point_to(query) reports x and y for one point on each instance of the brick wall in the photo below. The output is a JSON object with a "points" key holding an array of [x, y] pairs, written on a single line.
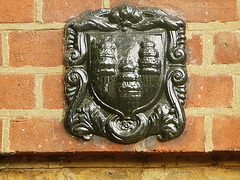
{"points": [[32, 101]]}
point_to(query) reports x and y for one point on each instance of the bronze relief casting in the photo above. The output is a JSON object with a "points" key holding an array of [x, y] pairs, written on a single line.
{"points": [[125, 75]]}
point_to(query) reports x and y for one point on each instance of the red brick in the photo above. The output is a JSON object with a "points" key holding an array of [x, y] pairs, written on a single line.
{"points": [[31, 135], [17, 91], [209, 91], [62, 10], [195, 49], [53, 91], [225, 133], [49, 135], [13, 11], [192, 10], [0, 49], [65, 142], [37, 48], [227, 47], [192, 139]]}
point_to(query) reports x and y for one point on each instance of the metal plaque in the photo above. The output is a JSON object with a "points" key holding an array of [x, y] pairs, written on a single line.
{"points": [[126, 75]]}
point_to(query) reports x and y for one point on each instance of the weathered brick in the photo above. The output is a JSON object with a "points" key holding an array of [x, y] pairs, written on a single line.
{"points": [[225, 133], [53, 91], [16, 11], [36, 48], [209, 91], [53, 137], [192, 139], [62, 173], [197, 172], [17, 91], [65, 142], [227, 47], [106, 173], [49, 135], [192, 10], [62, 10], [31, 135], [108, 170], [194, 49]]}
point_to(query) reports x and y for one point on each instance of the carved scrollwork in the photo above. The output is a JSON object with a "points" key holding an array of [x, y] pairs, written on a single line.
{"points": [[178, 79], [177, 51], [72, 56], [75, 55], [88, 121], [125, 76], [75, 81], [174, 119], [75, 87], [127, 130]]}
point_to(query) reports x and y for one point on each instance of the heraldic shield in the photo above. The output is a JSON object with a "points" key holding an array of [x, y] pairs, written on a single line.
{"points": [[125, 76]]}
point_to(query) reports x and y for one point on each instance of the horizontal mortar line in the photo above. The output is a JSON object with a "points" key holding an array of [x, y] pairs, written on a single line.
{"points": [[31, 26], [197, 69], [32, 70], [102, 164], [109, 167], [217, 25], [59, 112], [45, 113], [118, 165], [212, 111], [214, 69]]}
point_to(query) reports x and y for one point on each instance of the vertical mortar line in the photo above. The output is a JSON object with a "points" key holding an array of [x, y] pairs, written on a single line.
{"points": [[39, 90], [238, 5], [188, 34], [137, 173], [5, 135], [208, 133], [106, 3], [236, 90], [2, 45], [5, 49], [38, 10], [208, 48]]}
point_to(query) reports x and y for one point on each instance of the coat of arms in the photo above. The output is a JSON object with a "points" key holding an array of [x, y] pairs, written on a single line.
{"points": [[126, 74]]}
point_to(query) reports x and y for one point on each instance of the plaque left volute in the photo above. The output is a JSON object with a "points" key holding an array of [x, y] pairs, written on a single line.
{"points": [[126, 75]]}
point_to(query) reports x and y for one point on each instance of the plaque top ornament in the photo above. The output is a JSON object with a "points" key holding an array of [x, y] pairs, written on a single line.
{"points": [[126, 75]]}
